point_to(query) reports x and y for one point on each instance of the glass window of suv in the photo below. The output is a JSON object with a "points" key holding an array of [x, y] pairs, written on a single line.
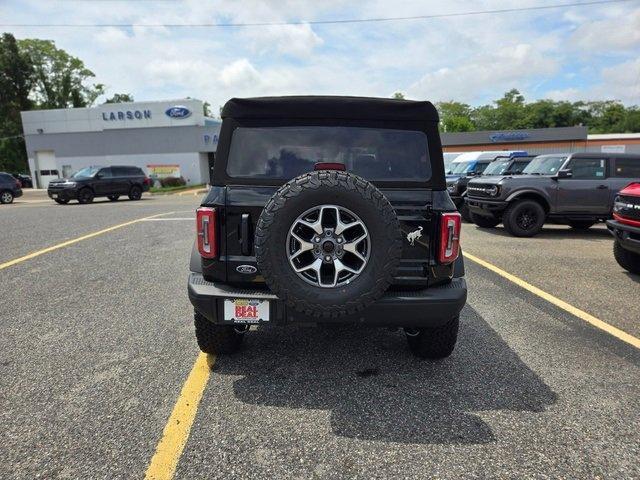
{"points": [[497, 167], [544, 166], [627, 167], [518, 166], [587, 168], [105, 173], [86, 172], [286, 152]]}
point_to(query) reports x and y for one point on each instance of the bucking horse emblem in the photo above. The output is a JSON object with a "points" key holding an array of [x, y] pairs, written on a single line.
{"points": [[415, 235]]}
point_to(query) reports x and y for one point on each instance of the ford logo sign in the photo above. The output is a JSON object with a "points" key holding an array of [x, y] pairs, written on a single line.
{"points": [[177, 112], [246, 269]]}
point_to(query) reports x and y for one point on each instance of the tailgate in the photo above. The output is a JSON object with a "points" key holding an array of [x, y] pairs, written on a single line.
{"points": [[244, 205]]}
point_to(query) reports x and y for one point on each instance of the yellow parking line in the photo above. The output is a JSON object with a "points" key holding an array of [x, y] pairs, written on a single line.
{"points": [[581, 314], [176, 431], [75, 240]]}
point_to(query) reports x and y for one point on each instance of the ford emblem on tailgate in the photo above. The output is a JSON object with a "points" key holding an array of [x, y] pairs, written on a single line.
{"points": [[177, 112], [248, 269]]}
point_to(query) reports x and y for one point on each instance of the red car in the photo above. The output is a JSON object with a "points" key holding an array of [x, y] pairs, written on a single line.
{"points": [[625, 227]]}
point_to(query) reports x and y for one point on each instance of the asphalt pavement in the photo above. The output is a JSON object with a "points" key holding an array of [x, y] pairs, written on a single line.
{"points": [[96, 341]]}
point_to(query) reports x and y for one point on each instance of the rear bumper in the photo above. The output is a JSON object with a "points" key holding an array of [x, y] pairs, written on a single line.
{"points": [[430, 307], [487, 208], [627, 236]]}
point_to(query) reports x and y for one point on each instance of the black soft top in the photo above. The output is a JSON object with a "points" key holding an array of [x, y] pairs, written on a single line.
{"points": [[353, 108]]}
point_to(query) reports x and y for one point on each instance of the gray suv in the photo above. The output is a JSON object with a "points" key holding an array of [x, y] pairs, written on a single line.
{"points": [[577, 189]]}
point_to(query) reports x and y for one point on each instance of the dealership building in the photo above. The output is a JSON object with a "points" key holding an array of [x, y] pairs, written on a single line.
{"points": [[539, 141], [164, 138]]}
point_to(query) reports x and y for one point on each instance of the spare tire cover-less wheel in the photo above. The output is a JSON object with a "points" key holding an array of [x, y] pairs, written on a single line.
{"points": [[328, 243]]}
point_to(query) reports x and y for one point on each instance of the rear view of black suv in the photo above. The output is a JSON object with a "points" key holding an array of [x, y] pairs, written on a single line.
{"points": [[10, 188], [328, 210], [92, 182]]}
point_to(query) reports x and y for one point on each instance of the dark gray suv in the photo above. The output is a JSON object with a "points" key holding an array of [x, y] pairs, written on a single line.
{"points": [[577, 189], [10, 188]]}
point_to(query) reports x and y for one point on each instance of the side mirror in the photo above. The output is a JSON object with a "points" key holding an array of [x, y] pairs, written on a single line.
{"points": [[566, 173]]}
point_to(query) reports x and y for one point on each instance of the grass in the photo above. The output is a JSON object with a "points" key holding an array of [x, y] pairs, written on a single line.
{"points": [[174, 189]]}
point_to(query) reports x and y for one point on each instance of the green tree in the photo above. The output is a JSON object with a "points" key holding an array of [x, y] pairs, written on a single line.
{"points": [[455, 116], [398, 96], [206, 109], [120, 98], [60, 80], [15, 84]]}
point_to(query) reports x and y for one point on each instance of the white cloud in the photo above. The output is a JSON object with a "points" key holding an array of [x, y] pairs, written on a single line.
{"points": [[609, 35], [240, 74], [486, 74]]}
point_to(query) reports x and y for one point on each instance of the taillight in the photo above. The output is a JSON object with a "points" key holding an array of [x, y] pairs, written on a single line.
{"points": [[206, 226], [146, 181], [329, 166], [450, 225], [18, 183]]}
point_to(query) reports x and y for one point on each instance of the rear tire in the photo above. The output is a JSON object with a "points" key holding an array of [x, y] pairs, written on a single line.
{"points": [[524, 218], [85, 196], [434, 343], [6, 197], [61, 201], [630, 261], [484, 222], [216, 339], [113, 198], [135, 193], [581, 224]]}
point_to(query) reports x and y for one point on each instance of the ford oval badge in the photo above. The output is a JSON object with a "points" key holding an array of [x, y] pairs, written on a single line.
{"points": [[246, 269], [177, 112]]}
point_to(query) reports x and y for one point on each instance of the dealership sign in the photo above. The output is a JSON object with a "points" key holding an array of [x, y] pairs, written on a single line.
{"points": [[508, 136], [178, 112], [126, 115]]}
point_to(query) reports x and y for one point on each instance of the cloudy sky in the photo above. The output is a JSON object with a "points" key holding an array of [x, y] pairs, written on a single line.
{"points": [[571, 53]]}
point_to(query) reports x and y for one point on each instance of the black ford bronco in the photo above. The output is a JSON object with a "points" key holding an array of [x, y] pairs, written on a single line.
{"points": [[328, 210], [577, 189]]}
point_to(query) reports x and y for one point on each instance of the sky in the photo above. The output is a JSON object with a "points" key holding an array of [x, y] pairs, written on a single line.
{"points": [[576, 53]]}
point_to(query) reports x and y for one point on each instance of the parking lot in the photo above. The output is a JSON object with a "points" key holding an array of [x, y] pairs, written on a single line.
{"points": [[96, 344]]}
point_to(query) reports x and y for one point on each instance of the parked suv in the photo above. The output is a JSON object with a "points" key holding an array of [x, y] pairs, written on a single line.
{"points": [[625, 228], [10, 188], [91, 182], [577, 189], [467, 166], [328, 210]]}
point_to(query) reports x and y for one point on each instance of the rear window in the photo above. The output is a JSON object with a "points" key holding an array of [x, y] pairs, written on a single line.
{"points": [[627, 167], [286, 152]]}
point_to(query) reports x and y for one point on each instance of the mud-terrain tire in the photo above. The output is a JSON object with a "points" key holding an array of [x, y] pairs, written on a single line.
{"points": [[524, 218], [85, 196], [434, 343], [630, 261], [216, 339], [135, 193], [484, 222], [465, 213], [334, 188]]}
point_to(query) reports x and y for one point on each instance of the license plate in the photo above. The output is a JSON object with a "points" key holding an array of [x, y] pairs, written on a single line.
{"points": [[54, 195], [246, 310]]}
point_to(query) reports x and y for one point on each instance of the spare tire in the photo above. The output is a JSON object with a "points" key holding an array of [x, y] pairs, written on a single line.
{"points": [[328, 243]]}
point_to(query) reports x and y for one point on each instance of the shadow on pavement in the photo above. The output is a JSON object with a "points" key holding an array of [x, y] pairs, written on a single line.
{"points": [[594, 233], [375, 389]]}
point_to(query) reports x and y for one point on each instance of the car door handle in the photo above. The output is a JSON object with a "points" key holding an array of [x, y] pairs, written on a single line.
{"points": [[601, 187]]}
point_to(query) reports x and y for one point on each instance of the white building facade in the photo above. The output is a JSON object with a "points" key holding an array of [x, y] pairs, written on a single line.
{"points": [[164, 138]]}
